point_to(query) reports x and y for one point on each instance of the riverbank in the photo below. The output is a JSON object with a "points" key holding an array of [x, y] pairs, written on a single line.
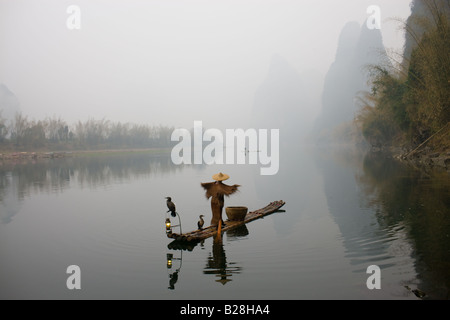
{"points": [[25, 155], [434, 152], [427, 158]]}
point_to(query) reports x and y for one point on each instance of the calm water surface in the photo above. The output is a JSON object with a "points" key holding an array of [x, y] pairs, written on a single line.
{"points": [[344, 212]]}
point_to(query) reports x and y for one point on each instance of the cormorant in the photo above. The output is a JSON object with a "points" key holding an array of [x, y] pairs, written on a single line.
{"points": [[200, 222], [171, 207]]}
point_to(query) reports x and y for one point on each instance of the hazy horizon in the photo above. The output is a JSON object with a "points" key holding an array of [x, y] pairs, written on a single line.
{"points": [[168, 62]]}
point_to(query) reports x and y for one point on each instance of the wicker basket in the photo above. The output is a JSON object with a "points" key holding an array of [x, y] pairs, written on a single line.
{"points": [[236, 213]]}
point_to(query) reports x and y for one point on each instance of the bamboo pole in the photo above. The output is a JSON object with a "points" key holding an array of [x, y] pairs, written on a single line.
{"points": [[219, 231]]}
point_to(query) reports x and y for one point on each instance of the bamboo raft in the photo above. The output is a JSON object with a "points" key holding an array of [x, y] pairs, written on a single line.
{"points": [[199, 235]]}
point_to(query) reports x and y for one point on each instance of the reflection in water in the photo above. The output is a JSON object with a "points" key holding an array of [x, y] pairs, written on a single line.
{"points": [[9, 200], [176, 263], [420, 203], [354, 210], [392, 216], [18, 180], [362, 238], [237, 233], [182, 245], [216, 263], [218, 266]]}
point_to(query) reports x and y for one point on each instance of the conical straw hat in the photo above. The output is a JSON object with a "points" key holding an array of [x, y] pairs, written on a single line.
{"points": [[220, 177]]}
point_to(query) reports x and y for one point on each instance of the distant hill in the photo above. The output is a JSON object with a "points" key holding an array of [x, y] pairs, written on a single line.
{"points": [[358, 47], [338, 91], [287, 100], [9, 104]]}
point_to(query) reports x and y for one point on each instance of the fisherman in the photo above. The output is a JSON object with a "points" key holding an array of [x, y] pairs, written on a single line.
{"points": [[216, 191]]}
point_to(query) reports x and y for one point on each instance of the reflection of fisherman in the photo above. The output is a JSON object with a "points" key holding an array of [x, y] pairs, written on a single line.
{"points": [[216, 191], [218, 266]]}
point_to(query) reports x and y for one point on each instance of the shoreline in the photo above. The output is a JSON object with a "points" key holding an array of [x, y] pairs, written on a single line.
{"points": [[11, 156], [432, 153], [427, 158]]}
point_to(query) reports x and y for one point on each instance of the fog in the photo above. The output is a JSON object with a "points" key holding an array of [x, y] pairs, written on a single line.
{"points": [[171, 62]]}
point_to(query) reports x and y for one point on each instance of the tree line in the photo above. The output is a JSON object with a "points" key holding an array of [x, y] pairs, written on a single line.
{"points": [[21, 133], [409, 102]]}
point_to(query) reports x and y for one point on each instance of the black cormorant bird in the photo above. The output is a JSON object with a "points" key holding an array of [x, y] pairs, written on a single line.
{"points": [[200, 222], [171, 207]]}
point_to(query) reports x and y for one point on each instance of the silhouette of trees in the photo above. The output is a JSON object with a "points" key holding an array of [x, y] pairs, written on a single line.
{"points": [[56, 133]]}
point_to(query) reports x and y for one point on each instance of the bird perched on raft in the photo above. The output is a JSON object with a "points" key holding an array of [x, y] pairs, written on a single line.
{"points": [[171, 207], [200, 222]]}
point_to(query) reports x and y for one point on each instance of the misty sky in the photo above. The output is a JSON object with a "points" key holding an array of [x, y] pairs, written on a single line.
{"points": [[167, 62]]}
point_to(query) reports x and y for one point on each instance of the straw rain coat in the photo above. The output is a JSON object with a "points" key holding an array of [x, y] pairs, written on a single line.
{"points": [[217, 191]]}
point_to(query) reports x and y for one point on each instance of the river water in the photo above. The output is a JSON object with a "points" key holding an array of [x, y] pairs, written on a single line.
{"points": [[344, 212]]}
